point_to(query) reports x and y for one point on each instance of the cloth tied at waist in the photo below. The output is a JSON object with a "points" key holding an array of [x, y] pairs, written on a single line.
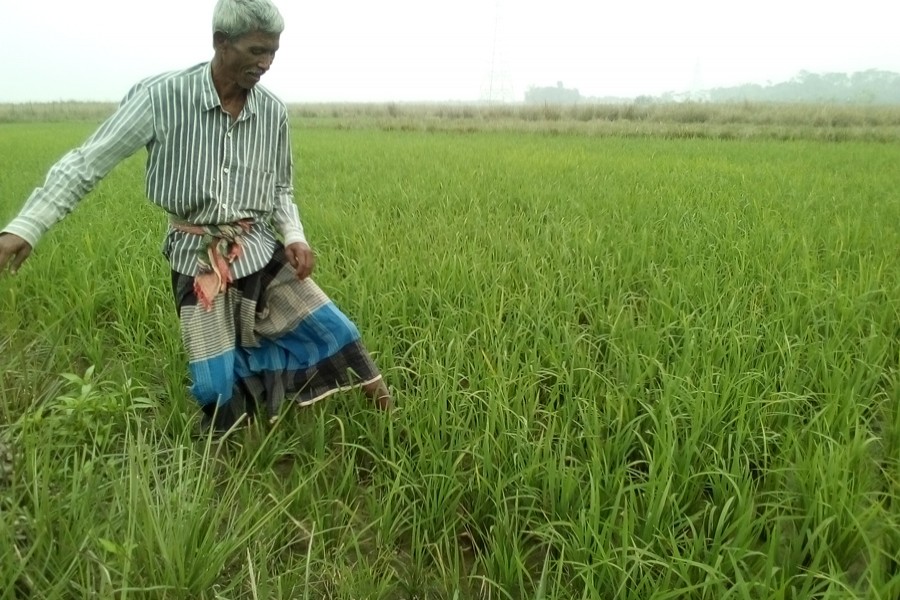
{"points": [[221, 245]]}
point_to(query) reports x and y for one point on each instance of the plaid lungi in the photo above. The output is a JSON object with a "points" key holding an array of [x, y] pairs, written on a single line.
{"points": [[269, 337]]}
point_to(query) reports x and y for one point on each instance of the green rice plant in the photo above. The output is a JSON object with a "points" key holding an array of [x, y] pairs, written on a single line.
{"points": [[633, 367]]}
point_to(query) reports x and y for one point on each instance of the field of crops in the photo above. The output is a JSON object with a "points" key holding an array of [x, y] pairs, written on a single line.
{"points": [[625, 367]]}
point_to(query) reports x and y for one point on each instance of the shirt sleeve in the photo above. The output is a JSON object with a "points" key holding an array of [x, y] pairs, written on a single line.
{"points": [[286, 215], [128, 129]]}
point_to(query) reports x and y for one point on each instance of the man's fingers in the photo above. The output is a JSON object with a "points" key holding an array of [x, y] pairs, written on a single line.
{"points": [[19, 258], [305, 264], [8, 257], [13, 252], [310, 263]]}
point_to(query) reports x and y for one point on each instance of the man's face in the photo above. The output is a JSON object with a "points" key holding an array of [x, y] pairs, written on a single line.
{"points": [[245, 59]]}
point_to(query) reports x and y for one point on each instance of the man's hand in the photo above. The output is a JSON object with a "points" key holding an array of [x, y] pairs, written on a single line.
{"points": [[13, 250], [301, 257]]}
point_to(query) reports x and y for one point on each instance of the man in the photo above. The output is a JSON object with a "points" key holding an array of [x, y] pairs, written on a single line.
{"points": [[255, 327]]}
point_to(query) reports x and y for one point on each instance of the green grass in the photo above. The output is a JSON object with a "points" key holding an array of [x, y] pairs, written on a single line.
{"points": [[634, 368]]}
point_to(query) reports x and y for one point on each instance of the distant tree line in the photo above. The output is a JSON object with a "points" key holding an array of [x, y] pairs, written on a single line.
{"points": [[865, 87]]}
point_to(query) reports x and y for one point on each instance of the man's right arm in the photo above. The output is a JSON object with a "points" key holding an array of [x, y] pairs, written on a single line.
{"points": [[76, 174]]}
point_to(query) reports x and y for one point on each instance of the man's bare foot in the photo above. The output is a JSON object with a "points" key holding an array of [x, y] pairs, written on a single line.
{"points": [[379, 393]]}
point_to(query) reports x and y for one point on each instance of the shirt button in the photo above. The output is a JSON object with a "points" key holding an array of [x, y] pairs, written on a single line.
{"points": [[225, 170], [229, 134]]}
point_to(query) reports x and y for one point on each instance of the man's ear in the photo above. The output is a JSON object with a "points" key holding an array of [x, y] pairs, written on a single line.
{"points": [[219, 39]]}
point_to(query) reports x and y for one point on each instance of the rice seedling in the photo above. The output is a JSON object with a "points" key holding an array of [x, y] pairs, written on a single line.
{"points": [[628, 367]]}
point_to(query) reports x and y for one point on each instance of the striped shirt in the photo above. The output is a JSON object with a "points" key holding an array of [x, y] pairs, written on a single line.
{"points": [[203, 167]]}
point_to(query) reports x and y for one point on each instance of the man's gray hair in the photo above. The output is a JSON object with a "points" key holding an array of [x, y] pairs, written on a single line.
{"points": [[236, 18]]}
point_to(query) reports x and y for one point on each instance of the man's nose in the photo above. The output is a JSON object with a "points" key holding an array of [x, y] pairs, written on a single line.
{"points": [[266, 61]]}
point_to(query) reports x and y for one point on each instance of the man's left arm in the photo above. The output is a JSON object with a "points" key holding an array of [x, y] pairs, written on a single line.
{"points": [[286, 215]]}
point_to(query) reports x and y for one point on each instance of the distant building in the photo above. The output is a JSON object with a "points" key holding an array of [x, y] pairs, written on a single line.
{"points": [[552, 95]]}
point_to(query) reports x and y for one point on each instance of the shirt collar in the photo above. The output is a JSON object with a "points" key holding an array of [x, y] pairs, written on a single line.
{"points": [[250, 106], [209, 98]]}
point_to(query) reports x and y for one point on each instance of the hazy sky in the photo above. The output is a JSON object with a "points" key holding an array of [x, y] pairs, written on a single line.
{"points": [[442, 50]]}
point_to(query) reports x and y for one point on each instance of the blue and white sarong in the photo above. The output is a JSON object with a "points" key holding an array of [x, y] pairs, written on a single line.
{"points": [[268, 337]]}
